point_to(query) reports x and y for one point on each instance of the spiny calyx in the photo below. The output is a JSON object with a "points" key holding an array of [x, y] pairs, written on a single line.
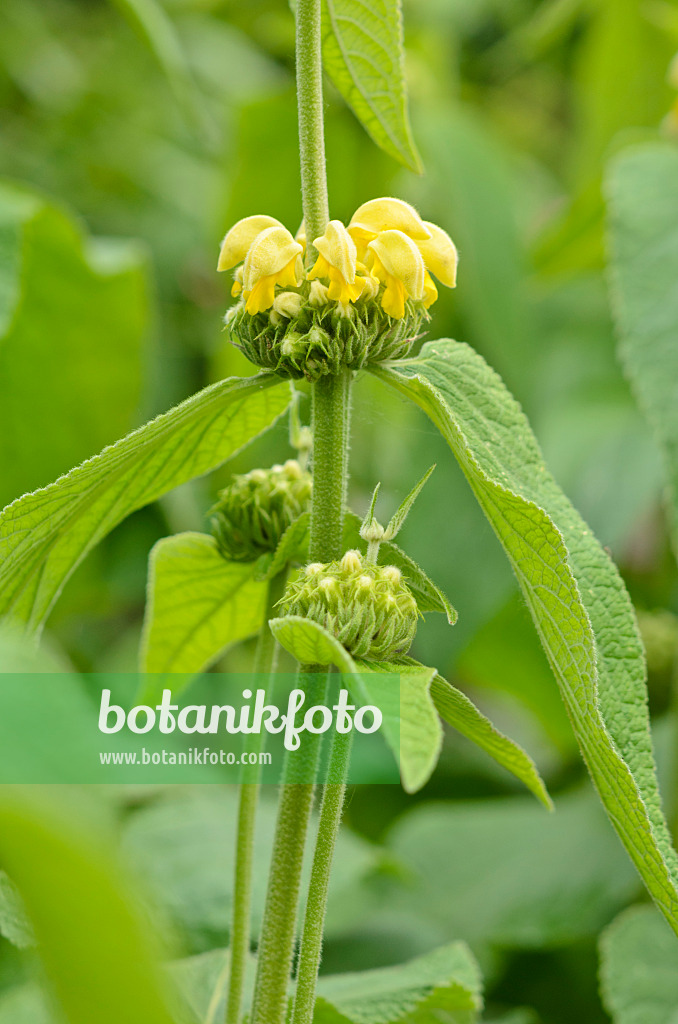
{"points": [[255, 510], [368, 608]]}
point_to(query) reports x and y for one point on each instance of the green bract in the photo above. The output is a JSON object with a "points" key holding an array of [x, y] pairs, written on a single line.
{"points": [[367, 607], [254, 511], [320, 340]]}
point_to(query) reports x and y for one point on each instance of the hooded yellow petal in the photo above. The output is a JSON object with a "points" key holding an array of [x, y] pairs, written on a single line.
{"points": [[271, 252], [440, 255], [339, 250], [241, 236], [400, 258], [430, 291], [389, 214]]}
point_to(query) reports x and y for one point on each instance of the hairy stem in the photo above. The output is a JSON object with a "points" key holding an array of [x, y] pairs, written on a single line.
{"points": [[311, 127], [264, 664], [316, 905], [278, 931], [331, 423]]}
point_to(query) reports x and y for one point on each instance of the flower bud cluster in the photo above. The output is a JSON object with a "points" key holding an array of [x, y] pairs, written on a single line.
{"points": [[368, 608], [363, 300], [254, 511]]}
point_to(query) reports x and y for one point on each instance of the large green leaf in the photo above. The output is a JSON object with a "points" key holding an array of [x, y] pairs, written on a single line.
{"points": [[441, 985], [73, 316], [639, 969], [503, 873], [198, 604], [46, 534], [100, 961], [643, 220], [363, 55], [575, 595]]}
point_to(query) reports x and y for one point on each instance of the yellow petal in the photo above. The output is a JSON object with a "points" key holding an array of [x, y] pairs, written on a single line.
{"points": [[360, 240], [344, 291], [440, 255], [320, 268], [389, 214], [241, 236], [393, 299], [338, 248], [271, 252], [430, 291], [300, 236], [261, 296], [400, 258]]}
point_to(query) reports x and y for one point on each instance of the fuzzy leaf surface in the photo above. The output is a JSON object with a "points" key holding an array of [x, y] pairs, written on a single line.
{"points": [[199, 604], [639, 969], [576, 597], [643, 225], [46, 534], [455, 708], [441, 985], [363, 55]]}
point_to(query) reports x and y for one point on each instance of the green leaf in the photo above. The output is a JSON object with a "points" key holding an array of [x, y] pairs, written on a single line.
{"points": [[575, 595], [198, 604], [502, 873], [363, 55], [410, 722], [45, 535], [14, 924], [429, 597], [24, 1005], [639, 969], [643, 224], [441, 985], [96, 954], [69, 305], [459, 712]]}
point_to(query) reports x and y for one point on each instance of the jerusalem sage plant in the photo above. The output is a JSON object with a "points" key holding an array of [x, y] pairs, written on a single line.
{"points": [[320, 306]]}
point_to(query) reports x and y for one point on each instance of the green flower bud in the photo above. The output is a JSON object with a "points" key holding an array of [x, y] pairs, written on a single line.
{"points": [[367, 607], [253, 513]]}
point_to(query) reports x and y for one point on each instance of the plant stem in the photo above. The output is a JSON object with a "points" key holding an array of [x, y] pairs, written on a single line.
{"points": [[316, 905], [331, 422], [264, 663], [311, 127], [278, 930]]}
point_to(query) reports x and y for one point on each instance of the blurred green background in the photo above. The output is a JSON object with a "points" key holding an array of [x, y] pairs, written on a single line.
{"points": [[124, 161]]}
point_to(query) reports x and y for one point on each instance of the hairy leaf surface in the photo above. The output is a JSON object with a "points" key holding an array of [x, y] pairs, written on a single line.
{"points": [[363, 55], [46, 534], [575, 595], [639, 969], [441, 985], [198, 604], [643, 222]]}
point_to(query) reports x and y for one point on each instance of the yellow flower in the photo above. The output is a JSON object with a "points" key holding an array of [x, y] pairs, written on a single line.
{"points": [[398, 264], [238, 241], [440, 255], [386, 214], [337, 263], [272, 258]]}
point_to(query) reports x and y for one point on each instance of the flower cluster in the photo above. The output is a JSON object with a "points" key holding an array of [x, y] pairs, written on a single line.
{"points": [[367, 607], [253, 512], [363, 299]]}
